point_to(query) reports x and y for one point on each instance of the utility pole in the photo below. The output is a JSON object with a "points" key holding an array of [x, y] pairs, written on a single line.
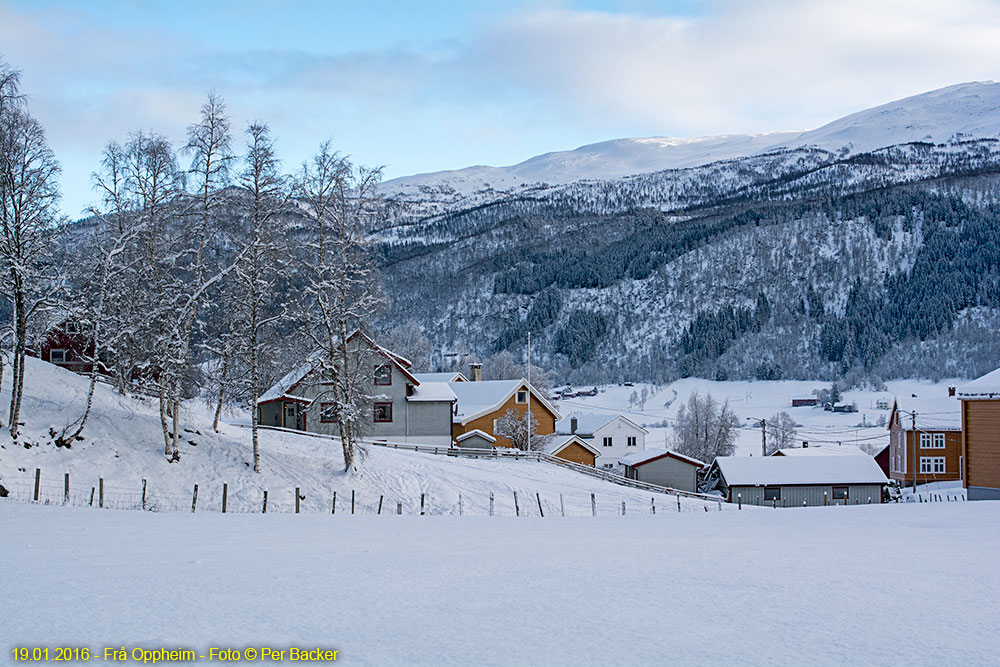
{"points": [[529, 393], [913, 434], [763, 437]]}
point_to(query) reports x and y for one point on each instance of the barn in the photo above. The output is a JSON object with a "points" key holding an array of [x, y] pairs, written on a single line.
{"points": [[789, 481], [663, 467]]}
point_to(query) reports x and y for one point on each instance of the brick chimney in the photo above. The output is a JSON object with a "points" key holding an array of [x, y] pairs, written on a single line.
{"points": [[476, 372], [572, 424]]}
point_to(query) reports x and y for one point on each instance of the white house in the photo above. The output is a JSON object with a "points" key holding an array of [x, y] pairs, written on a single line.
{"points": [[614, 436]]}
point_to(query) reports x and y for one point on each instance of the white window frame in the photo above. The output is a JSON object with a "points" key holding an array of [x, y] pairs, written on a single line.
{"points": [[631, 441], [608, 441], [60, 351], [521, 397], [932, 465], [925, 441], [939, 441]]}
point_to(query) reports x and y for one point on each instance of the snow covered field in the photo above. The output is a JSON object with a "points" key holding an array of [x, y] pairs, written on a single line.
{"points": [[817, 586]]}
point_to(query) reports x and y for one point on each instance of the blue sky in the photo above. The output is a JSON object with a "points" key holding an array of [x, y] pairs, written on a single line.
{"points": [[425, 86]]}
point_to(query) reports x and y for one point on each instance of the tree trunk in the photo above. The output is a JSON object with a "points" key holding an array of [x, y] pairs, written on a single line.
{"points": [[167, 450], [222, 394]]}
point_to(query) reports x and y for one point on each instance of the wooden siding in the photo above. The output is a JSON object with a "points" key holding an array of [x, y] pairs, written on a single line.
{"points": [[577, 454], [952, 454], [981, 434], [546, 420], [812, 495], [668, 471]]}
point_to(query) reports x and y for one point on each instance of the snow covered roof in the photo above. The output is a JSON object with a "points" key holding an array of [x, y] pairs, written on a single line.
{"points": [[476, 399], [793, 470], [588, 424], [281, 387], [476, 432], [454, 376], [557, 443], [938, 413], [431, 391], [822, 450], [988, 386], [639, 458]]}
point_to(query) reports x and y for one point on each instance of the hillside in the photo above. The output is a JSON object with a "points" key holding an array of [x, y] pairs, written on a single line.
{"points": [[123, 444]]}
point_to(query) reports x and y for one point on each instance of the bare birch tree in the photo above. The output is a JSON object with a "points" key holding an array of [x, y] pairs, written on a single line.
{"points": [[705, 429], [29, 196], [341, 289]]}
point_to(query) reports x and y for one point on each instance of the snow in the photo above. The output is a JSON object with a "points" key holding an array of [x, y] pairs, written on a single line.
{"points": [[832, 450], [475, 398], [556, 443], [638, 458], [476, 432], [759, 470], [451, 591], [281, 387], [585, 424], [432, 391], [988, 386], [939, 413], [438, 377]]}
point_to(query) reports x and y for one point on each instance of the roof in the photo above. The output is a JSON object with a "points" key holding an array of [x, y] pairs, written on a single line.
{"points": [[938, 413], [431, 391], [557, 443], [588, 424], [282, 386], [476, 399], [822, 450], [636, 459], [794, 470], [476, 432], [454, 376], [988, 386]]}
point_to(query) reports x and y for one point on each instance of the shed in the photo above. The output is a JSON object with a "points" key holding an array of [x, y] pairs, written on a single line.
{"points": [[794, 481], [663, 467], [476, 439], [572, 448]]}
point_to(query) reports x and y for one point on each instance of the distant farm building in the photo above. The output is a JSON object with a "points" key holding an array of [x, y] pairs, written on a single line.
{"points": [[804, 402], [925, 437], [663, 467]]}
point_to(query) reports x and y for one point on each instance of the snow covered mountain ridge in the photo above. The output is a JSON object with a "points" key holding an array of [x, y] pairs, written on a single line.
{"points": [[961, 111]]}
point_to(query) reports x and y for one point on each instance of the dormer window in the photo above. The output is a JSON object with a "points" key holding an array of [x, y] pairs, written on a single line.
{"points": [[383, 375], [522, 396]]}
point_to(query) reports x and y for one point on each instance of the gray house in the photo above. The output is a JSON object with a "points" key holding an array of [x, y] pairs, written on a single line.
{"points": [[793, 481], [664, 468], [402, 408]]}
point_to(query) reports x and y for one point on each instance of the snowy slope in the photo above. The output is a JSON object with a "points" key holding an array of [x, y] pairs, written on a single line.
{"points": [[805, 586], [123, 445], [962, 111]]}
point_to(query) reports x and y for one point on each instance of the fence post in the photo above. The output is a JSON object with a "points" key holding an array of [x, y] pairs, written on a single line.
{"points": [[100, 492], [720, 504], [541, 513], [225, 496], [143, 491], [66, 490], [91, 496], [739, 501], [194, 499], [678, 503], [774, 504], [399, 507], [652, 505], [296, 500], [38, 479], [593, 504], [562, 507], [334, 509], [263, 509], [491, 503], [421, 504], [824, 499], [352, 501], [380, 504], [623, 508], [517, 508], [460, 504]]}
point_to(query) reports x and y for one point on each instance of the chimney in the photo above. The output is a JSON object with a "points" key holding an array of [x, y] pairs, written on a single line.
{"points": [[476, 371], [572, 425], [951, 391], [805, 443]]}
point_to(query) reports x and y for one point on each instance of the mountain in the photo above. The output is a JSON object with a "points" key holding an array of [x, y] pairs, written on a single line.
{"points": [[960, 111], [869, 247]]}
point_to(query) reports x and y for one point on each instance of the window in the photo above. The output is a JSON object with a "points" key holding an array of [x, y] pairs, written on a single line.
{"points": [[608, 442], [840, 493], [630, 441], [931, 464], [383, 412], [939, 441], [925, 441], [772, 493], [383, 375], [57, 356], [328, 413], [522, 396], [290, 411]]}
